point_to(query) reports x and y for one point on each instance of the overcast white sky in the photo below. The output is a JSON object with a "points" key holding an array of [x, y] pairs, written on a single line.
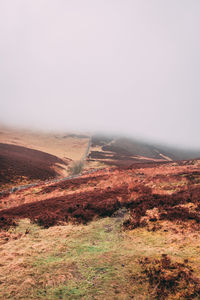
{"points": [[126, 66]]}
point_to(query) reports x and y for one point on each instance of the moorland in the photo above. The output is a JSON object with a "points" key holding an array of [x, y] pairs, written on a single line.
{"points": [[126, 227]]}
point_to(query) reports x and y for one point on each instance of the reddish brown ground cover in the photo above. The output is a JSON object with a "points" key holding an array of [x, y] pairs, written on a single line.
{"points": [[18, 162], [79, 208], [168, 207], [153, 193], [170, 278], [73, 183], [128, 147], [121, 152]]}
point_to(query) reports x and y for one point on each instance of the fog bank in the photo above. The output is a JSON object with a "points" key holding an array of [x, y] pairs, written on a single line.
{"points": [[129, 67]]}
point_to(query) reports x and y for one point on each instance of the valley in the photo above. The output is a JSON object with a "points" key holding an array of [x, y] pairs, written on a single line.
{"points": [[126, 227]]}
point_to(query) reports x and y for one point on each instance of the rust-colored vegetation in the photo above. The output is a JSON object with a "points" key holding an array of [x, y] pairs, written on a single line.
{"points": [[6, 222], [156, 203], [142, 206], [166, 207], [79, 208], [18, 163], [167, 278], [122, 152], [153, 194]]}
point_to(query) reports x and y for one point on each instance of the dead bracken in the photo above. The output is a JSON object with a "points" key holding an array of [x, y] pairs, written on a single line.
{"points": [[100, 194], [167, 278], [25, 162]]}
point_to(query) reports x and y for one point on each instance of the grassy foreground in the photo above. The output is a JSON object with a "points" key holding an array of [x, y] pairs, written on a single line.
{"points": [[95, 261]]}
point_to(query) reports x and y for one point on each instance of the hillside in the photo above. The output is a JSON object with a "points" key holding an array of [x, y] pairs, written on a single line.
{"points": [[127, 227], [35, 156], [27, 157], [120, 151], [65, 145], [21, 165], [116, 233]]}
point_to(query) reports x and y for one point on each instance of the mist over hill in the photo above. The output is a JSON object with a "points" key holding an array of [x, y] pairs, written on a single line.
{"points": [[129, 68], [129, 146], [99, 149]]}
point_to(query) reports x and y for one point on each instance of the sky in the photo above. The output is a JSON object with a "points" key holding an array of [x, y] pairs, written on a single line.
{"points": [[117, 66]]}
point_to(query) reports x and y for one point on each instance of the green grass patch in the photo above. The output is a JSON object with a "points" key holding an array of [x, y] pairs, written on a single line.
{"points": [[97, 261]]}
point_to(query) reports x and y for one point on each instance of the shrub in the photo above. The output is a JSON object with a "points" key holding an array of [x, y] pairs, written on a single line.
{"points": [[167, 278], [76, 167], [6, 222]]}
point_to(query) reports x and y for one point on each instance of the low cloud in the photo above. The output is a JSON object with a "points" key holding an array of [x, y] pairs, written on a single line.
{"points": [[128, 67]]}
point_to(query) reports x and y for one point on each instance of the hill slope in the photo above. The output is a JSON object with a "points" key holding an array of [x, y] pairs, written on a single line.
{"points": [[125, 151], [118, 233], [27, 156], [20, 164]]}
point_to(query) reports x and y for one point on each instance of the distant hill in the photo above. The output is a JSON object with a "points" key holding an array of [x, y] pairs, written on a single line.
{"points": [[27, 156], [21, 164], [123, 151]]}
